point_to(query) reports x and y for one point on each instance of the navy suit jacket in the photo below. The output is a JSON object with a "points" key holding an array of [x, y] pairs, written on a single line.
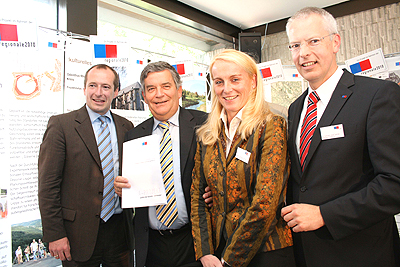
{"points": [[355, 179], [189, 120]]}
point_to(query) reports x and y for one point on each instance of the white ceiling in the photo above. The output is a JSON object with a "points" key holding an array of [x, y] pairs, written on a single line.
{"points": [[251, 13]]}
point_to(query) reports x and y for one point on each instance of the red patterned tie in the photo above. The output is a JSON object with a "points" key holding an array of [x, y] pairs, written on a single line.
{"points": [[308, 127]]}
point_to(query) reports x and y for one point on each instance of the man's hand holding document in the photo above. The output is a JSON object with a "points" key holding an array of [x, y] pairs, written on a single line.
{"points": [[141, 167]]}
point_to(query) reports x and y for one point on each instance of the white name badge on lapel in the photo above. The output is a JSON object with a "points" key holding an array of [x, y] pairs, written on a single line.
{"points": [[243, 155], [332, 132]]}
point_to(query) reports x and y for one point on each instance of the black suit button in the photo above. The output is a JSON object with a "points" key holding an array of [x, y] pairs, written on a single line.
{"points": [[100, 192], [146, 229], [303, 189], [97, 216]]}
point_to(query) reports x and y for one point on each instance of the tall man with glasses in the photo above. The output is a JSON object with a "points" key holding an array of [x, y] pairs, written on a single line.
{"points": [[343, 143], [79, 157]]}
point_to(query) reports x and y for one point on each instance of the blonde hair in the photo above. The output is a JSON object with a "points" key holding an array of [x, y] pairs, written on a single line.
{"points": [[255, 112]]}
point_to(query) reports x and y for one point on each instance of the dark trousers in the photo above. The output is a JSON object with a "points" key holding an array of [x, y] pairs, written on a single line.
{"points": [[173, 248], [298, 250], [111, 249], [283, 257]]}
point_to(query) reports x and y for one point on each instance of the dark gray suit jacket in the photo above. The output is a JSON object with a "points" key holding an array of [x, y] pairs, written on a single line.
{"points": [[355, 179], [189, 120], [71, 181]]}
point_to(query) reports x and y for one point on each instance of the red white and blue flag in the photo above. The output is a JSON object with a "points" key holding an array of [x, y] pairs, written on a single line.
{"points": [[53, 45], [105, 51], [368, 64], [114, 52], [180, 68], [8, 32], [18, 33], [266, 72], [185, 68], [360, 66], [271, 71]]}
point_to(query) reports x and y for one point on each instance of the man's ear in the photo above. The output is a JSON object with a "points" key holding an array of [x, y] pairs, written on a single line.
{"points": [[336, 43]]}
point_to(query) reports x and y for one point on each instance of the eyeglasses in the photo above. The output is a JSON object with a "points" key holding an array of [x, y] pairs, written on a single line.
{"points": [[295, 47]]}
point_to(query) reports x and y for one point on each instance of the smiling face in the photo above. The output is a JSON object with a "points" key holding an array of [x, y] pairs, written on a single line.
{"points": [[99, 90], [161, 94], [232, 85], [316, 64]]}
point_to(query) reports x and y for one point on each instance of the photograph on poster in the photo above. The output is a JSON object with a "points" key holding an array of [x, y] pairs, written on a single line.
{"points": [[3, 204], [393, 64], [129, 98], [194, 94], [27, 85], [27, 240]]}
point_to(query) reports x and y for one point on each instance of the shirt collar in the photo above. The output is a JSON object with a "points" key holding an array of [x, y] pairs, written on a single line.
{"points": [[234, 123], [174, 120], [224, 117], [94, 116], [326, 89]]}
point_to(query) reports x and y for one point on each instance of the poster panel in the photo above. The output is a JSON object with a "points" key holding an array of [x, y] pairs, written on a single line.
{"points": [[32, 90]]}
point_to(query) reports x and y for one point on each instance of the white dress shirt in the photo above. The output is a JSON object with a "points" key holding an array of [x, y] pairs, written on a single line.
{"points": [[324, 92], [231, 131]]}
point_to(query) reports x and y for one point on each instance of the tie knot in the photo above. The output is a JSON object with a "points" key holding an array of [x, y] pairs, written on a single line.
{"points": [[164, 124], [313, 97], [103, 119]]}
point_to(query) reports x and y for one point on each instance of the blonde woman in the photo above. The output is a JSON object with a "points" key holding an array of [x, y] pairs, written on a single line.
{"points": [[241, 156]]}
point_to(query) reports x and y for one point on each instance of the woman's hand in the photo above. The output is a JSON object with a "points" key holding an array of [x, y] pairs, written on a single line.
{"points": [[208, 197], [210, 261]]}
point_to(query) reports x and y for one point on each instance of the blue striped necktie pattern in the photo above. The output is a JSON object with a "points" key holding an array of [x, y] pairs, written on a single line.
{"points": [[168, 213], [107, 164]]}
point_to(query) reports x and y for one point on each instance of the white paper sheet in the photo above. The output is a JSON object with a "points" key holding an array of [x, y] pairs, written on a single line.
{"points": [[141, 165]]}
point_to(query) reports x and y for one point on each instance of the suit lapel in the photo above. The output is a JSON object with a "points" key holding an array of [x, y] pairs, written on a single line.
{"points": [[85, 131], [339, 97], [147, 127], [186, 128], [294, 122]]}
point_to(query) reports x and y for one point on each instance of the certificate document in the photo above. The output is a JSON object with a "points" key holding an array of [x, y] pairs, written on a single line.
{"points": [[141, 166]]}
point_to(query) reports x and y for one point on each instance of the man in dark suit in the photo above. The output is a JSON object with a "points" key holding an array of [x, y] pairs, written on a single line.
{"points": [[156, 243], [72, 185], [344, 191]]}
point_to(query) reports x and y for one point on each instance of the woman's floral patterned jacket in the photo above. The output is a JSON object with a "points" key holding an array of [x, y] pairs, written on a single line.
{"points": [[247, 197]]}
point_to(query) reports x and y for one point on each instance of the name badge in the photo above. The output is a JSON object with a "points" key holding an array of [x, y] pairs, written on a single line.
{"points": [[243, 155], [332, 132]]}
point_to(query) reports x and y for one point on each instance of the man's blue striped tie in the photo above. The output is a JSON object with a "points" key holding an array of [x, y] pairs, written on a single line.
{"points": [[107, 163]]}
